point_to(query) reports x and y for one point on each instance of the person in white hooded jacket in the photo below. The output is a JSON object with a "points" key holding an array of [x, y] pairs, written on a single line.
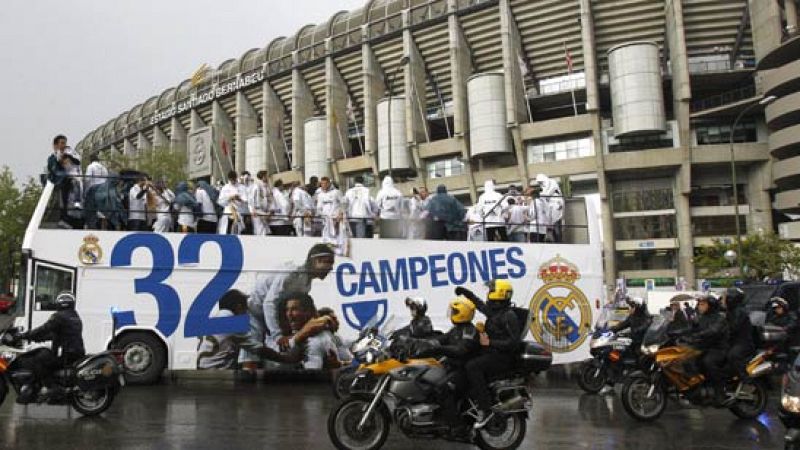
{"points": [[554, 200], [390, 204], [359, 207], [492, 210]]}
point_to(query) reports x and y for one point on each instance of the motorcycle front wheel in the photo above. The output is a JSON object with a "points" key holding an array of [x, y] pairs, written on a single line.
{"points": [[752, 400], [94, 402], [592, 378], [643, 400], [505, 432], [343, 425]]}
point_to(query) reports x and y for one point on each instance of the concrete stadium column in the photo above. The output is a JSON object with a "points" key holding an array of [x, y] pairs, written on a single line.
{"points": [[681, 97], [273, 115], [143, 145], [302, 109], [160, 139], [460, 70], [246, 125], [128, 149], [765, 23], [516, 96], [415, 89], [759, 183], [374, 88], [790, 9], [177, 139], [222, 149], [593, 109], [336, 112], [195, 121]]}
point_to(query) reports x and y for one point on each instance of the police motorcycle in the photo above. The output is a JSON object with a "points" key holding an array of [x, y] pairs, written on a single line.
{"points": [[408, 393], [669, 370], [789, 411], [89, 385], [612, 356]]}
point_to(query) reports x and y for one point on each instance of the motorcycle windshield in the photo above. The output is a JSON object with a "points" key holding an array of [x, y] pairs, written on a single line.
{"points": [[657, 332]]}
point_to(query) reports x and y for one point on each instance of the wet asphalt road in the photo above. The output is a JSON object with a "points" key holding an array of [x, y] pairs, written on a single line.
{"points": [[219, 414]]}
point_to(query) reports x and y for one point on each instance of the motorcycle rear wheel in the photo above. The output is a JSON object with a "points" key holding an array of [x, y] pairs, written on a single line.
{"points": [[94, 402], [502, 433], [637, 404], [591, 378], [750, 409], [343, 425]]}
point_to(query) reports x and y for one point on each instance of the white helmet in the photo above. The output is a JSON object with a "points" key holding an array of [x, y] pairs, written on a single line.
{"points": [[635, 302], [65, 300], [417, 304]]}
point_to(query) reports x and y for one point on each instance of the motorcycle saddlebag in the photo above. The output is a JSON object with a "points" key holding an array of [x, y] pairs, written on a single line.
{"points": [[98, 371], [534, 358]]}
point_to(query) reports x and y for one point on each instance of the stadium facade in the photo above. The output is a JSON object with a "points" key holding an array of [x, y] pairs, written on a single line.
{"points": [[633, 100]]}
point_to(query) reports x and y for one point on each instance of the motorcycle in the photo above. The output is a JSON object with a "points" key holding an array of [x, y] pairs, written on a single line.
{"points": [[412, 394], [789, 411], [670, 372], [612, 358], [89, 385], [365, 351]]}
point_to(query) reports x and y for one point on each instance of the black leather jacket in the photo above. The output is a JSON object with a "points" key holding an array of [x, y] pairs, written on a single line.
{"points": [[65, 329], [787, 321], [420, 327], [741, 330], [459, 343], [502, 325], [711, 331], [638, 322]]}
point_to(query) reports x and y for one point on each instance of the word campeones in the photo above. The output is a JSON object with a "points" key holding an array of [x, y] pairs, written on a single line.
{"points": [[197, 99], [438, 269]]}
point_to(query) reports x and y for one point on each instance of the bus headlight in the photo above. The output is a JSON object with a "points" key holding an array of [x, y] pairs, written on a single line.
{"points": [[649, 349]]}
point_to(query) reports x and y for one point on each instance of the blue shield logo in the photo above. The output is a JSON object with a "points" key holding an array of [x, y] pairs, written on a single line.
{"points": [[360, 314]]}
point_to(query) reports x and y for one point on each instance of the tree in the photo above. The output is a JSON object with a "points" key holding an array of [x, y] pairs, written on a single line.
{"points": [[160, 163], [17, 204], [764, 255]]}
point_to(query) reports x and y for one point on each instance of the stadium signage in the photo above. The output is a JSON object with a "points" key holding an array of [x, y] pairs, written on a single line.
{"points": [[208, 95]]}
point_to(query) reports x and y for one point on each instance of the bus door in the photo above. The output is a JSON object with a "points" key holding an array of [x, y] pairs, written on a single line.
{"points": [[49, 280]]}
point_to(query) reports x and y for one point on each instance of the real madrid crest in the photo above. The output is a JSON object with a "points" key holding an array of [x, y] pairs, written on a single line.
{"points": [[90, 252], [562, 314]]}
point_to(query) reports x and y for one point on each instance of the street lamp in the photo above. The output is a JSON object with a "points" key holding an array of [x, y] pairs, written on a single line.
{"points": [[765, 101], [392, 76]]}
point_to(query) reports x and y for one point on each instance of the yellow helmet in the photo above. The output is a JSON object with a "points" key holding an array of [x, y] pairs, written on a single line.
{"points": [[500, 290], [461, 310]]}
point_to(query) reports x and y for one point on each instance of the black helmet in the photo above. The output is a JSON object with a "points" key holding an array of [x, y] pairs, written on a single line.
{"points": [[65, 300], [775, 302], [712, 300], [734, 297]]}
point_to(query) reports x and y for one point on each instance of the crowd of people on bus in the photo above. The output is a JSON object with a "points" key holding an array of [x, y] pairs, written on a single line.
{"points": [[247, 205]]}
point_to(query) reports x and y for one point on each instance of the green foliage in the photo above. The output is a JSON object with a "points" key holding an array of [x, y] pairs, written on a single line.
{"points": [[764, 255], [17, 204], [160, 163]]}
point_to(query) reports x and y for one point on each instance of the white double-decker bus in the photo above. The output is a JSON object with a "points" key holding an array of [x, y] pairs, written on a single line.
{"points": [[167, 287]]}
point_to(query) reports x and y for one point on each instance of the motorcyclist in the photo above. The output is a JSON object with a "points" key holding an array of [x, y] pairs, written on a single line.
{"points": [[421, 326], [710, 334], [64, 328], [780, 315], [741, 331], [499, 344], [637, 321]]}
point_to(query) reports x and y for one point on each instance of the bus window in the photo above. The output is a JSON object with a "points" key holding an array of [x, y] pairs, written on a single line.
{"points": [[50, 281]]}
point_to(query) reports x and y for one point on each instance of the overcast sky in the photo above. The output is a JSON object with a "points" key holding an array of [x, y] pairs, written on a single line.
{"points": [[70, 66]]}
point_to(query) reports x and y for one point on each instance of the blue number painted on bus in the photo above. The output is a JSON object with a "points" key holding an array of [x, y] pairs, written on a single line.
{"points": [[167, 300], [198, 320]]}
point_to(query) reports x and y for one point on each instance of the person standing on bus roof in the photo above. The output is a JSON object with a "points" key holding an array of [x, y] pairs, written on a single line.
{"points": [[247, 212], [492, 211], [233, 198], [261, 204], [207, 197], [300, 209], [329, 208], [96, 173], [279, 223], [164, 198], [391, 207], [186, 205], [269, 287], [137, 204], [360, 208]]}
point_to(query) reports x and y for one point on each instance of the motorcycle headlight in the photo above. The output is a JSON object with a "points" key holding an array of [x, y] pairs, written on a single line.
{"points": [[649, 349], [790, 403], [369, 357]]}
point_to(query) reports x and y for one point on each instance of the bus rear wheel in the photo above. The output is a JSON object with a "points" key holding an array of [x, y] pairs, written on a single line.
{"points": [[144, 358]]}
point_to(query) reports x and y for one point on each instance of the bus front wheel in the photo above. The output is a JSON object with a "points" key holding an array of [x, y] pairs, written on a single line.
{"points": [[144, 357]]}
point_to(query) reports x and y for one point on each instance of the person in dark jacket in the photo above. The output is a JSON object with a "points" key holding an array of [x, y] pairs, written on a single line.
{"points": [[421, 326], [711, 335], [780, 315], [638, 321], [64, 328], [499, 343], [741, 331], [445, 217]]}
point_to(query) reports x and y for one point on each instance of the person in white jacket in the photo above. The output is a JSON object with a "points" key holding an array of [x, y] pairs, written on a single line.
{"points": [[554, 199], [492, 211], [360, 209], [417, 213], [329, 208], [280, 222], [164, 198], [96, 173], [301, 207], [391, 206], [261, 204], [233, 198]]}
